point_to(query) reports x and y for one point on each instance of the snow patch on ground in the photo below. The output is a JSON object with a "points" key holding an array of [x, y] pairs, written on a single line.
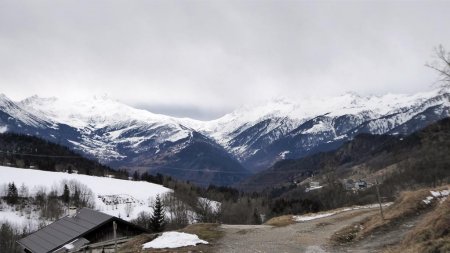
{"points": [[318, 128], [308, 217], [214, 205], [174, 240], [284, 153], [441, 196], [313, 188], [23, 220]]}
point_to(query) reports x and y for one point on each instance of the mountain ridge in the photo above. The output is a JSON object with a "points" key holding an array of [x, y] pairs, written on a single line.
{"points": [[254, 136]]}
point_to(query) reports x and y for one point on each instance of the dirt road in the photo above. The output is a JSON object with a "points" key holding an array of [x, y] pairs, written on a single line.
{"points": [[311, 236]]}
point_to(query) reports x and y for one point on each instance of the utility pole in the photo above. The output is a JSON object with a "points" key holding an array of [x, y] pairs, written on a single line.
{"points": [[379, 200], [115, 236]]}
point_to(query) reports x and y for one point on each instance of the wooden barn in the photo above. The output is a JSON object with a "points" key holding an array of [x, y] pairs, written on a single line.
{"points": [[82, 232]]}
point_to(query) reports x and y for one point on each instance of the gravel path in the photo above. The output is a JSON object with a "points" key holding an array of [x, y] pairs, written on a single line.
{"points": [[311, 236]]}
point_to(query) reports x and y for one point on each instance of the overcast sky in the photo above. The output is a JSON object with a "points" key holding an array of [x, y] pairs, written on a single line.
{"points": [[203, 58]]}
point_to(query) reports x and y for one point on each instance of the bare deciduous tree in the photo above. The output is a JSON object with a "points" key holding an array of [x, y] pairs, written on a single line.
{"points": [[128, 209], [441, 64], [81, 194]]}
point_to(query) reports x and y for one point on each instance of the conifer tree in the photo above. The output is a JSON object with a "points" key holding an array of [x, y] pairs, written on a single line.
{"points": [[76, 198], [12, 197], [158, 219], [66, 194]]}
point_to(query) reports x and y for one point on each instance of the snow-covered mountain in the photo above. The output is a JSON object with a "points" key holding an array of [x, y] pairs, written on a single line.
{"points": [[254, 136], [260, 134], [123, 137], [106, 126]]}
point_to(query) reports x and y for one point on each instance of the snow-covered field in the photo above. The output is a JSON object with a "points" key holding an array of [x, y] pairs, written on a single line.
{"points": [[111, 195], [21, 220]]}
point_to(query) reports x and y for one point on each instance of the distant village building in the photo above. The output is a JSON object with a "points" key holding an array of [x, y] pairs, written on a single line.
{"points": [[360, 185], [351, 185], [71, 171], [313, 185], [86, 231]]}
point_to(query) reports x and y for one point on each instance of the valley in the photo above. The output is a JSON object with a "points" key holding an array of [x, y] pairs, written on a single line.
{"points": [[253, 126], [222, 151]]}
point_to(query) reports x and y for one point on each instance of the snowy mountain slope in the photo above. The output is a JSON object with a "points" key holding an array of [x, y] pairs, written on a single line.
{"points": [[226, 127], [105, 121], [125, 137], [256, 135], [13, 116], [285, 129], [104, 189]]}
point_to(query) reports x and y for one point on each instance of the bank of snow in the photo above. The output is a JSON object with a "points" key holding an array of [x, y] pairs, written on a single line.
{"points": [[106, 190], [314, 216], [174, 240]]}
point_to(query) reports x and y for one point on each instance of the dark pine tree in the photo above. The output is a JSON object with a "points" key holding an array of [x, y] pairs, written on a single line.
{"points": [[158, 219], [66, 194], [136, 176], [12, 197], [76, 198]]}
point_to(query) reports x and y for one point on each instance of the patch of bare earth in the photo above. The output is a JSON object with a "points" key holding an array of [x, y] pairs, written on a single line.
{"points": [[310, 236], [281, 221]]}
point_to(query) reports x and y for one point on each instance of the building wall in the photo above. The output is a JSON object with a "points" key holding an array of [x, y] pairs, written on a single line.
{"points": [[106, 232]]}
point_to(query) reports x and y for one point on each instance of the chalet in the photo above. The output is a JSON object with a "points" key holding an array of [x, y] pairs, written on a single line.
{"points": [[78, 233]]}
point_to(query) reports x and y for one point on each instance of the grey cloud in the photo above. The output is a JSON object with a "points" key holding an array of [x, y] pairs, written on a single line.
{"points": [[216, 55]]}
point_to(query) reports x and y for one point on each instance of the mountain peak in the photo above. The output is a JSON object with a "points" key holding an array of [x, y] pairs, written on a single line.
{"points": [[351, 94], [37, 99]]}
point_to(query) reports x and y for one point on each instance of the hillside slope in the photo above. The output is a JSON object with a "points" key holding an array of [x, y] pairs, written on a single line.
{"points": [[105, 191], [421, 158], [32, 152]]}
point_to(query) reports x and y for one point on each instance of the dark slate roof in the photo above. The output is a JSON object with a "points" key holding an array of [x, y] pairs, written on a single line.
{"points": [[64, 231]]}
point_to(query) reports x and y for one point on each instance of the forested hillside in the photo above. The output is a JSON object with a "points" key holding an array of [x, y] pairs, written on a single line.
{"points": [[396, 162], [24, 151]]}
